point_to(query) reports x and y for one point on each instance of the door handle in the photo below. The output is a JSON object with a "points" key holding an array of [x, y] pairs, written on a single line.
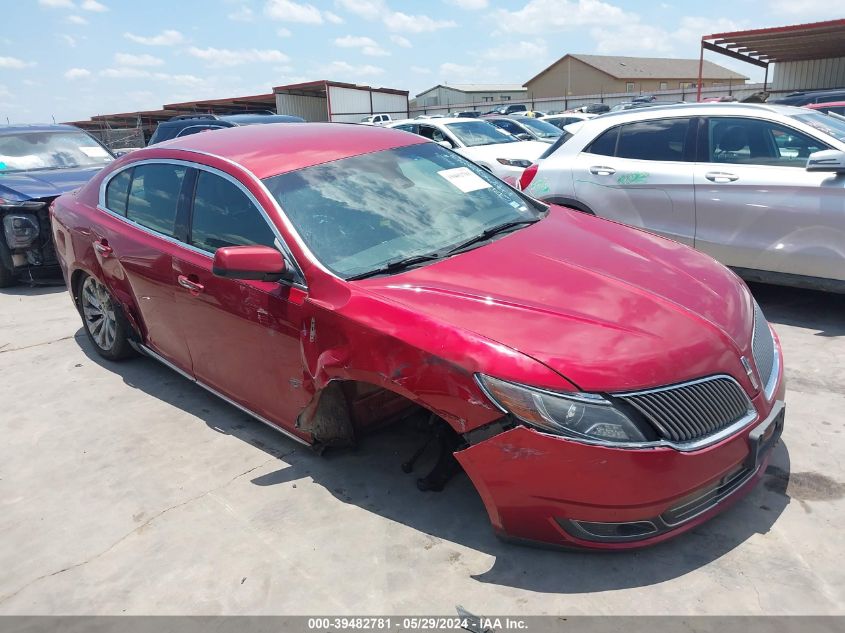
{"points": [[720, 176], [600, 170], [189, 284], [103, 248]]}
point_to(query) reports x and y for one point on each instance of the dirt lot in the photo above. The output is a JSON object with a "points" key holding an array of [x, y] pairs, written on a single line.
{"points": [[124, 488]]}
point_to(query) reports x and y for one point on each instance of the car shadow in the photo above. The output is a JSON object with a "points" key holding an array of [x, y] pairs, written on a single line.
{"points": [[28, 290], [809, 309], [371, 478]]}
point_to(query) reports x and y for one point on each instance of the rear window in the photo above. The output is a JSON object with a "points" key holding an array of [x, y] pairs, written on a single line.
{"points": [[662, 140]]}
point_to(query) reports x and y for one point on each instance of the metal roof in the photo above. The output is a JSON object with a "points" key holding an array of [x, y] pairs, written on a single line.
{"points": [[620, 67], [318, 88], [816, 40], [227, 105], [478, 88]]}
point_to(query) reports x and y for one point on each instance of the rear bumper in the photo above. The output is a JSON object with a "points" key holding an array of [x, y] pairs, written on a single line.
{"points": [[553, 490]]}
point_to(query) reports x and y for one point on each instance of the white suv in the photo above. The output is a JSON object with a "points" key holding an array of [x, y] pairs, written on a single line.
{"points": [[759, 187]]}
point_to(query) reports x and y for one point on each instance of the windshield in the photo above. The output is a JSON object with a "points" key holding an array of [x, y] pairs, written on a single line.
{"points": [[542, 129], [832, 126], [26, 151], [474, 133], [357, 214]]}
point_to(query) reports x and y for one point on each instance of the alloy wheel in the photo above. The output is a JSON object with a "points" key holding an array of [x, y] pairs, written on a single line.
{"points": [[98, 312]]}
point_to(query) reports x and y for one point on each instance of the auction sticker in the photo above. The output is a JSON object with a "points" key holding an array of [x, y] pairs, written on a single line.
{"points": [[464, 179]]}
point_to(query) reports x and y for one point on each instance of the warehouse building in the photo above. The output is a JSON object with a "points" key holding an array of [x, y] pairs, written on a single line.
{"points": [[604, 74], [445, 95]]}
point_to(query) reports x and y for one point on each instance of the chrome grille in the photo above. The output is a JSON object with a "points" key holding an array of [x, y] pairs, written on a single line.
{"points": [[693, 410], [762, 346]]}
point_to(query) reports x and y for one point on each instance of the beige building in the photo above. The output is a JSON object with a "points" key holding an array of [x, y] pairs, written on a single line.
{"points": [[604, 74], [447, 95]]}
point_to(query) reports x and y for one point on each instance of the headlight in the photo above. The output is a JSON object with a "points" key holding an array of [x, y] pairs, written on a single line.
{"points": [[21, 229], [577, 415], [514, 162]]}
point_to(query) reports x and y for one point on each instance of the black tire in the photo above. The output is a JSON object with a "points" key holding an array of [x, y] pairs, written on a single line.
{"points": [[103, 321], [7, 278]]}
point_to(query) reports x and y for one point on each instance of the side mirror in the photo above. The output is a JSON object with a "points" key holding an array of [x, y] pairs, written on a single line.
{"points": [[256, 263], [524, 136], [447, 144], [827, 160]]}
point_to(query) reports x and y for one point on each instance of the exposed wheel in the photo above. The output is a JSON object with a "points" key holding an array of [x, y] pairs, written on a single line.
{"points": [[6, 277], [104, 324]]}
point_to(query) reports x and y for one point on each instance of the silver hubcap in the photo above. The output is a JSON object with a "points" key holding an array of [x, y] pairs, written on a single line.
{"points": [[99, 313]]}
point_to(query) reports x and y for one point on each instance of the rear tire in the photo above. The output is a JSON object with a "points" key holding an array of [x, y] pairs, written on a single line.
{"points": [[103, 320], [7, 278]]}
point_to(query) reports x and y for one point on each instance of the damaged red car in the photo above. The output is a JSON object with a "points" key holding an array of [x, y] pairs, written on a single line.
{"points": [[601, 386]]}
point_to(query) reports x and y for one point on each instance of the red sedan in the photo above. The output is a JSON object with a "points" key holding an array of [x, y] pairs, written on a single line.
{"points": [[602, 387]]}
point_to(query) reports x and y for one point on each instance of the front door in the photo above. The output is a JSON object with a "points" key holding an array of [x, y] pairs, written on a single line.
{"points": [[758, 208], [641, 174], [244, 336]]}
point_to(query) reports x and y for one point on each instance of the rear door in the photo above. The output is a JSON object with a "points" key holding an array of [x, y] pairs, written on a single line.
{"points": [[758, 208], [641, 173], [244, 336], [135, 239]]}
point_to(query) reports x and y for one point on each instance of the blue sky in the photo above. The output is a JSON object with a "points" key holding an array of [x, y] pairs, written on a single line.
{"points": [[71, 59]]}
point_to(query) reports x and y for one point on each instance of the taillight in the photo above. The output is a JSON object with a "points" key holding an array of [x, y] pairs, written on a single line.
{"points": [[527, 176]]}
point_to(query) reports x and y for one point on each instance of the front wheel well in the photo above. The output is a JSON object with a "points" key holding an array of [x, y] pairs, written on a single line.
{"points": [[571, 203]]}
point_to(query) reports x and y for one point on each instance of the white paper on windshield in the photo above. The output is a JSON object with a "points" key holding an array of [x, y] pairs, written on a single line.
{"points": [[94, 151], [464, 179]]}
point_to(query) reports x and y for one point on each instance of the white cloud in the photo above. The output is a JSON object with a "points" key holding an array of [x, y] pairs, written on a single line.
{"points": [[283, 32], [227, 57], [288, 11], [366, 45], [165, 38], [243, 14], [404, 42], [14, 63], [56, 4], [345, 70], [521, 50], [470, 5], [127, 59], [368, 9], [420, 70], [76, 19], [93, 5], [139, 73], [70, 41], [561, 15], [77, 73], [415, 23], [807, 9], [334, 18], [463, 73]]}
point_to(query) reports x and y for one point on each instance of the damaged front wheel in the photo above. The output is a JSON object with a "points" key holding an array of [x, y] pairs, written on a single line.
{"points": [[103, 321]]}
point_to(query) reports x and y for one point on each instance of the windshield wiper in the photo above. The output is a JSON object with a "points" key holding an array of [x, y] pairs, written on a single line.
{"points": [[396, 265], [488, 233]]}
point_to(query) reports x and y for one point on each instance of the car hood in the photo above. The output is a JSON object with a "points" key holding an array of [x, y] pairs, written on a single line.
{"points": [[529, 150], [609, 307], [43, 184]]}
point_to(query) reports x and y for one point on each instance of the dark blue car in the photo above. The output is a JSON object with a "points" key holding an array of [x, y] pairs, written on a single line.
{"points": [[38, 163]]}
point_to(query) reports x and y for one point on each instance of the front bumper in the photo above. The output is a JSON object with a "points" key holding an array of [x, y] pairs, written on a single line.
{"points": [[550, 489]]}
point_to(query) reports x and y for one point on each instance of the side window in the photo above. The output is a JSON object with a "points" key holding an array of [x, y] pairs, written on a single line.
{"points": [[409, 127], [432, 132], [117, 192], [605, 145], [662, 140], [154, 196], [758, 142], [224, 216], [508, 126]]}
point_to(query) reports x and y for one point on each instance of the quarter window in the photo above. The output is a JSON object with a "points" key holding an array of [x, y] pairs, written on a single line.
{"points": [[605, 145], [224, 216], [154, 196], [117, 192], [758, 142]]}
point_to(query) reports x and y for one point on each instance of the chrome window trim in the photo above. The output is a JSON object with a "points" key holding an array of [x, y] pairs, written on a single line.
{"points": [[684, 447], [146, 350], [280, 243]]}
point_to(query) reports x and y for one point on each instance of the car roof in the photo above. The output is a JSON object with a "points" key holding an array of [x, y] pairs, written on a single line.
{"points": [[277, 148], [39, 127], [697, 109]]}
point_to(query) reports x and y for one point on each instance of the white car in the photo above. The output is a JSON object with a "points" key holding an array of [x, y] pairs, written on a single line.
{"points": [[567, 118], [376, 119], [481, 142], [761, 188]]}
